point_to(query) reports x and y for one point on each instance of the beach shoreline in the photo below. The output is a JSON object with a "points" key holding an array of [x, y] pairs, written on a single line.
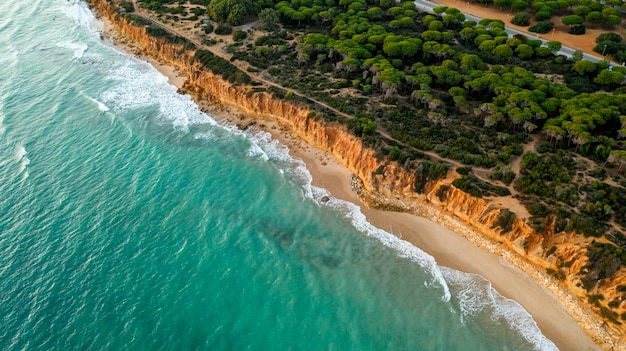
{"points": [[448, 248]]}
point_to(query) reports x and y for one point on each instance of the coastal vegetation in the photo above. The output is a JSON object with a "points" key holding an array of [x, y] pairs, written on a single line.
{"points": [[437, 92]]}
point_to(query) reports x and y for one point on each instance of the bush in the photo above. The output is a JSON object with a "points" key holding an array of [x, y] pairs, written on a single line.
{"points": [[558, 274], [541, 27], [223, 29], [610, 37], [578, 30], [537, 209], [127, 6], [464, 170], [608, 314], [543, 16], [156, 31], [505, 221], [220, 66], [595, 299], [239, 35], [441, 192], [522, 19]]}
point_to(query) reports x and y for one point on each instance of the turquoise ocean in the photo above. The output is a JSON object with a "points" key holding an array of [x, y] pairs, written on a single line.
{"points": [[130, 220]]}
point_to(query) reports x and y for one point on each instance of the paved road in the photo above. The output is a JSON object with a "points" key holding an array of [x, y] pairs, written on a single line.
{"points": [[428, 6]]}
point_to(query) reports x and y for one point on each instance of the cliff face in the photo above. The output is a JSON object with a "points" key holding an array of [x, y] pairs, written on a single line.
{"points": [[387, 185]]}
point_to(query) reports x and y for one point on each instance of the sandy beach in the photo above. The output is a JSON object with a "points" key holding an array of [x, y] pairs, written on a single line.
{"points": [[448, 248]]}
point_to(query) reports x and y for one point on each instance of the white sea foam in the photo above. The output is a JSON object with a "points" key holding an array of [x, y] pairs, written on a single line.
{"points": [[20, 157], [141, 86], [20, 153], [297, 168], [78, 49], [80, 13], [102, 107], [476, 296]]}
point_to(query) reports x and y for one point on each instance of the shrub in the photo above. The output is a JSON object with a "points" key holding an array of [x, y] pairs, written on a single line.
{"points": [[156, 31], [441, 192], [614, 303], [578, 30], [220, 66], [558, 274], [541, 27], [464, 170], [127, 6], [223, 29], [595, 299], [520, 5], [610, 37], [608, 314], [505, 221], [543, 16], [239, 35], [538, 209], [522, 19]]}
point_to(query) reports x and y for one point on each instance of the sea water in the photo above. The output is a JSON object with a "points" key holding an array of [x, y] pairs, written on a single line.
{"points": [[131, 220]]}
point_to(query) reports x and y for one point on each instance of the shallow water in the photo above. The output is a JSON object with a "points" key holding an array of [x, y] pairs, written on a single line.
{"points": [[131, 220]]}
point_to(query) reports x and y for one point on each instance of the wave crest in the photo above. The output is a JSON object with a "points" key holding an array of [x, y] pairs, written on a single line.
{"points": [[476, 296]]}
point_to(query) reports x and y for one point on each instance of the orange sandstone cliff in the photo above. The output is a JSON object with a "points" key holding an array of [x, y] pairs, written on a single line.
{"points": [[387, 185]]}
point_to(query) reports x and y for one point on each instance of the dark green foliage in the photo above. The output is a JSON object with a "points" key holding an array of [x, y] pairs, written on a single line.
{"points": [[428, 171], [611, 44], [156, 31], [537, 209], [198, 11], [464, 170], [442, 191], [610, 315], [239, 35], [548, 177], [610, 36], [557, 274], [361, 126], [614, 303], [522, 19], [223, 29], [605, 202], [127, 6], [232, 12], [476, 187], [543, 15], [220, 66], [604, 260], [505, 221], [595, 299], [541, 27], [137, 21], [269, 18], [504, 176], [578, 30]]}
